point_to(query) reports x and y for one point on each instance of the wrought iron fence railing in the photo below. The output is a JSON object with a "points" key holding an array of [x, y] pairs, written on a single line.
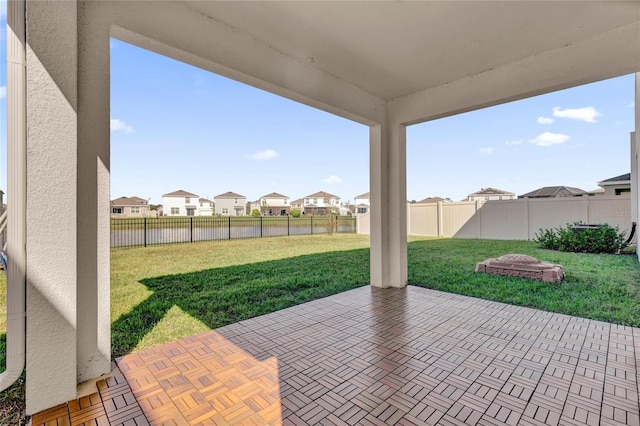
{"points": [[145, 231]]}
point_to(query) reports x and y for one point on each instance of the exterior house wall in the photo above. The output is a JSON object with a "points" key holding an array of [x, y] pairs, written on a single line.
{"points": [[131, 211], [275, 206], [231, 206], [362, 205], [610, 190], [205, 207], [169, 205]]}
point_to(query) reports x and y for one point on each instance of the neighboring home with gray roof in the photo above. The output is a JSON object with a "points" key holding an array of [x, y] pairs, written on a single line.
{"points": [[488, 194], [130, 207], [616, 185], [231, 204], [180, 203], [555, 192], [275, 204], [321, 203], [434, 200]]}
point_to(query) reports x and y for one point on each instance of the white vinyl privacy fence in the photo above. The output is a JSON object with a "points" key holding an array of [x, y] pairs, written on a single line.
{"points": [[517, 219]]}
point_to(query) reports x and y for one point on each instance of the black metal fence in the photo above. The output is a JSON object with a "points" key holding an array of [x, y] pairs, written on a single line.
{"points": [[147, 231]]}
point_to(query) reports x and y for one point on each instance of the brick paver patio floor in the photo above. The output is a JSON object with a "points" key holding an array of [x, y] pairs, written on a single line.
{"points": [[396, 356]]}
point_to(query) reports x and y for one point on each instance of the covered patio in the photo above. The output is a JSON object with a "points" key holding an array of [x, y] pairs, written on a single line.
{"points": [[374, 356], [386, 65]]}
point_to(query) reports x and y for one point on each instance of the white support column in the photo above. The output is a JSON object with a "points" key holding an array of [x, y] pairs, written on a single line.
{"points": [[635, 180], [388, 178], [634, 176], [94, 298], [68, 326]]}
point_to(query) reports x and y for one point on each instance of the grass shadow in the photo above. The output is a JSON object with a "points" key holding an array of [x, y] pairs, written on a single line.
{"points": [[221, 296]]}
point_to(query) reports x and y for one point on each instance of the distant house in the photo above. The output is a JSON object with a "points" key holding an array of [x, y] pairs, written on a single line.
{"points": [[130, 207], [275, 204], [555, 192], [488, 194], [434, 200], [321, 203], [206, 207], [180, 203], [297, 204], [362, 203], [616, 185], [231, 204]]}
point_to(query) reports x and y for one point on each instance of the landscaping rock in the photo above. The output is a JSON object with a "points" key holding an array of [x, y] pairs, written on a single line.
{"points": [[521, 265]]}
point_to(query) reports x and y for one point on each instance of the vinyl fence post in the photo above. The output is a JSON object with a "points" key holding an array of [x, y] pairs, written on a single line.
{"points": [[191, 229], [145, 231], [229, 227]]}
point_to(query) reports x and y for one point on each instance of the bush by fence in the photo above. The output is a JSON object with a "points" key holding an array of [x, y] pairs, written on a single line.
{"points": [[173, 230], [582, 239]]}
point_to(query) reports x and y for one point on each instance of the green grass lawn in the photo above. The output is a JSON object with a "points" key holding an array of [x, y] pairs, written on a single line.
{"points": [[163, 293], [597, 286]]}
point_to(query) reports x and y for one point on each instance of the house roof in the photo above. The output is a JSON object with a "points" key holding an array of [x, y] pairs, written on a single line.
{"points": [[365, 195], [129, 201], [298, 201], [554, 192], [229, 194], [274, 195], [180, 193], [204, 200], [491, 191], [431, 200], [321, 194], [625, 178]]}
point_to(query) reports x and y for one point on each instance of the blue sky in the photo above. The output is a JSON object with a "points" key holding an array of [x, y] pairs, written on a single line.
{"points": [[174, 126]]}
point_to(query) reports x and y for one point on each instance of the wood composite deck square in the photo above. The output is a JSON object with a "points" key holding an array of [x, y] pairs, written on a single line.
{"points": [[372, 356]]}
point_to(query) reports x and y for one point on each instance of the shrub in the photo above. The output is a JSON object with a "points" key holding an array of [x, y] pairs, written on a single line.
{"points": [[604, 239], [255, 213], [295, 213]]}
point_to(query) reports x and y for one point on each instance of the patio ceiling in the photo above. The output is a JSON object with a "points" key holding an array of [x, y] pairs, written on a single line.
{"points": [[391, 49]]}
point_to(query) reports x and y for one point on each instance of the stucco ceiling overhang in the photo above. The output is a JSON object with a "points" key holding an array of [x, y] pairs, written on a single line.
{"points": [[394, 49], [371, 61]]}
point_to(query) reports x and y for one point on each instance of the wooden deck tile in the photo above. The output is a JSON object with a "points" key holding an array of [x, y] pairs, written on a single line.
{"points": [[373, 357]]}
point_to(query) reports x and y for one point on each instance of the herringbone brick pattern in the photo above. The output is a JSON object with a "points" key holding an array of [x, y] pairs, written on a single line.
{"points": [[397, 356]]}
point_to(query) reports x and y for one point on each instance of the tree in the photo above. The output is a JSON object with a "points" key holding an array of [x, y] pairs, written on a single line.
{"points": [[332, 216], [255, 213]]}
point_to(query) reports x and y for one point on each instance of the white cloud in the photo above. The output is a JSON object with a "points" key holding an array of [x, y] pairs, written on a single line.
{"points": [[549, 139], [514, 142], [267, 154], [332, 179], [3, 92], [631, 104], [588, 114], [545, 120], [486, 150], [119, 125]]}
